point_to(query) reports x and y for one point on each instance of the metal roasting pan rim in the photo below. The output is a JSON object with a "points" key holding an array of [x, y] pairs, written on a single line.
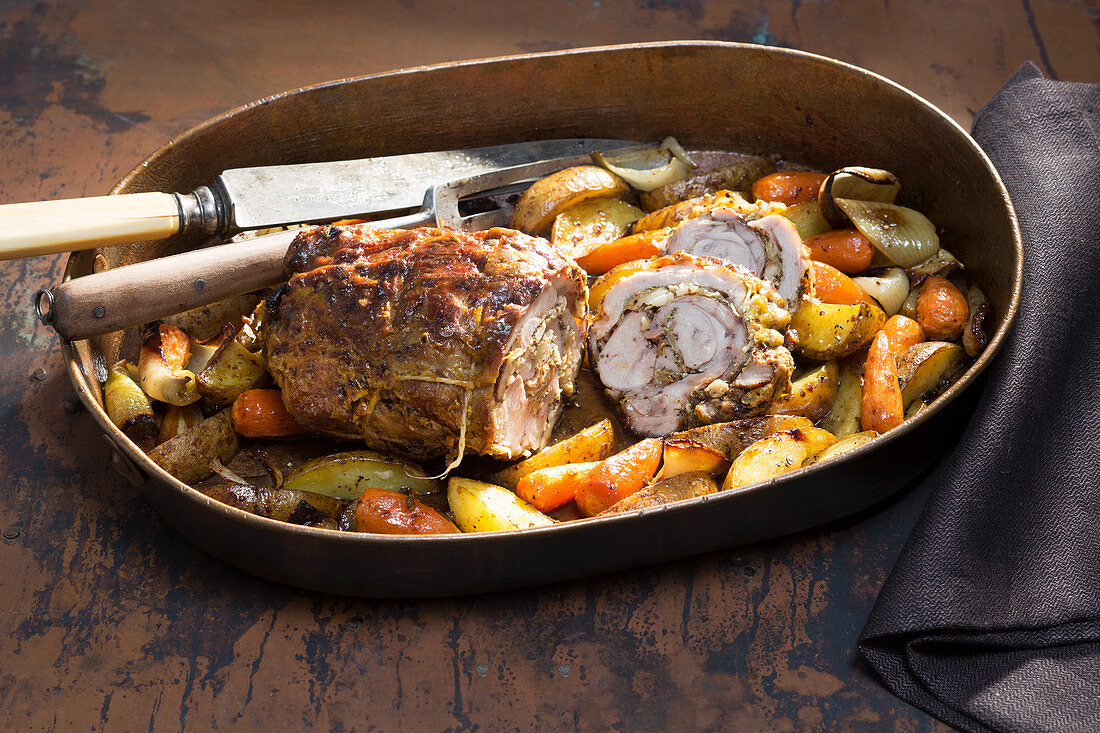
{"points": [[896, 437]]}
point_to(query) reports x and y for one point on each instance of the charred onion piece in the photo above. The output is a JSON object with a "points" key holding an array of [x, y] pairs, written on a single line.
{"points": [[681, 340], [715, 173], [859, 184], [178, 419], [974, 337]]}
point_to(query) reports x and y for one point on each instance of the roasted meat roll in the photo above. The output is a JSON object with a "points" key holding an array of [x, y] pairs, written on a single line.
{"points": [[681, 340], [769, 248], [428, 342]]}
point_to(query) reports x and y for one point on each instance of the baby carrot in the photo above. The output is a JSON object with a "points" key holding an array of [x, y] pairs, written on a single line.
{"points": [[881, 407], [391, 512], [260, 413], [845, 249], [788, 187], [901, 333], [619, 476], [941, 309], [549, 488], [607, 255], [833, 286]]}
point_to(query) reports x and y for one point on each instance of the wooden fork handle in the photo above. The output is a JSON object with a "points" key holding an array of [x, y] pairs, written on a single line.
{"points": [[128, 296]]}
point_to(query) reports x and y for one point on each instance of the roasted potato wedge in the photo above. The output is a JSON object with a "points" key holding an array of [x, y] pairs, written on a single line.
{"points": [[674, 488], [843, 445], [684, 455], [775, 455], [188, 455], [580, 228], [128, 406], [549, 196], [728, 439], [829, 331], [347, 475], [231, 371], [927, 368], [482, 507], [207, 321], [843, 418], [807, 219], [811, 395], [591, 444]]}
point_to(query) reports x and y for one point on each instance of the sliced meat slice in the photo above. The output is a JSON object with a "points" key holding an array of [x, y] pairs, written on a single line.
{"points": [[769, 247], [683, 340]]}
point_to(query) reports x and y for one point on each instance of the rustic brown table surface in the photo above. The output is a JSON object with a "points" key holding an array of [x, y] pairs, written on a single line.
{"points": [[112, 621]]}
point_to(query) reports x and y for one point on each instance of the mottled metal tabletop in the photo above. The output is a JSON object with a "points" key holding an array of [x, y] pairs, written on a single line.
{"points": [[113, 622]]}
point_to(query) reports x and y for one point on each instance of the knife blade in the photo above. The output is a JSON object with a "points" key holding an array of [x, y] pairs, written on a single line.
{"points": [[288, 194], [265, 196]]}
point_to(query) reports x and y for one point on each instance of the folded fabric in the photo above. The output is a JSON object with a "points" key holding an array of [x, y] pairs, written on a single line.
{"points": [[991, 618]]}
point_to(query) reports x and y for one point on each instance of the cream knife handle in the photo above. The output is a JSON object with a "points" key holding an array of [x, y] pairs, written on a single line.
{"points": [[127, 296], [46, 227]]}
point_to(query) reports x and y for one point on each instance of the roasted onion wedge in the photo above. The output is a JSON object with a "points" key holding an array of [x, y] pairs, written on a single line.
{"points": [[347, 475], [905, 236], [681, 340], [162, 366], [648, 168]]}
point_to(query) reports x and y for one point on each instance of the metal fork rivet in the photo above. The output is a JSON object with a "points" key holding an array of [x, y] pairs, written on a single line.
{"points": [[99, 311], [200, 284]]}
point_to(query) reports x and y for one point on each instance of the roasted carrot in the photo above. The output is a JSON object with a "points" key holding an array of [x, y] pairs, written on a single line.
{"points": [[901, 333], [833, 286], [789, 187], [941, 309], [881, 407], [546, 489], [845, 249], [619, 476], [260, 413], [391, 512], [607, 255]]}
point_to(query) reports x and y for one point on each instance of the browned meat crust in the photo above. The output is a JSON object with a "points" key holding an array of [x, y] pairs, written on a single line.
{"points": [[386, 335]]}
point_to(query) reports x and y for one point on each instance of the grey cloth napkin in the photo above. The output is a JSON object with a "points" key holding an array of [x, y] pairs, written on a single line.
{"points": [[991, 618]]}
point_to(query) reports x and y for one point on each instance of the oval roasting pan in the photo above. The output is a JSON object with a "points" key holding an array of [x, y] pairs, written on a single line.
{"points": [[710, 95]]}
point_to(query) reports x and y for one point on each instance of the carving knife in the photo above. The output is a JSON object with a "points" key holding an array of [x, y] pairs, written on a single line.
{"points": [[265, 196]]}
